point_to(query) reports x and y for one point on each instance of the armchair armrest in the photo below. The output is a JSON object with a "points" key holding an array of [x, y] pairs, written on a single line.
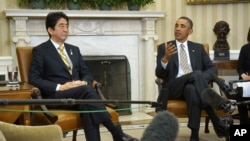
{"points": [[37, 95], [98, 87], [159, 82]]}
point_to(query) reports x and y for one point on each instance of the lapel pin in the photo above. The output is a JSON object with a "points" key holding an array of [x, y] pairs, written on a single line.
{"points": [[71, 53]]}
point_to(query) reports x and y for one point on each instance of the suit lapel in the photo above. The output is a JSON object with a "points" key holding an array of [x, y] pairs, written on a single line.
{"points": [[192, 56], [175, 57], [72, 55], [51, 50], [69, 51]]}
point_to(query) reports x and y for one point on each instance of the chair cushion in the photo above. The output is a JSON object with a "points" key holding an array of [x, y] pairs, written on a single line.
{"points": [[179, 108], [67, 120]]}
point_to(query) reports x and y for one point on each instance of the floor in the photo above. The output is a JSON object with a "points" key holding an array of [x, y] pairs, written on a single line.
{"points": [[136, 123]]}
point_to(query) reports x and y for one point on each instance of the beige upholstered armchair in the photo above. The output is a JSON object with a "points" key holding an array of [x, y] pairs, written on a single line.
{"points": [[12, 132]]}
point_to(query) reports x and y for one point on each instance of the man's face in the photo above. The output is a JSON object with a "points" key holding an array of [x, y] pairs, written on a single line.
{"points": [[182, 30], [60, 33]]}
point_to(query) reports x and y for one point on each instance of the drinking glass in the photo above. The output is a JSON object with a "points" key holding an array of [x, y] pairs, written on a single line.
{"points": [[12, 74]]}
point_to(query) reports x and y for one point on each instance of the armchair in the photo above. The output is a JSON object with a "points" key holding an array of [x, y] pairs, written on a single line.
{"points": [[179, 108], [66, 119], [12, 132]]}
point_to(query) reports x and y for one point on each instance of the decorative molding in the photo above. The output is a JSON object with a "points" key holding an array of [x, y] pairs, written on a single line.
{"points": [[86, 13]]}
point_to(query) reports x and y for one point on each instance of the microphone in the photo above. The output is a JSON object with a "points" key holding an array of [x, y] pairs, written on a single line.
{"points": [[163, 127], [70, 101], [215, 100], [221, 83], [218, 102]]}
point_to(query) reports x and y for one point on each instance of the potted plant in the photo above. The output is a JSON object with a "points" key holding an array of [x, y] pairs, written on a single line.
{"points": [[74, 4], [41, 4], [56, 4], [104, 4], [137, 4], [34, 4]]}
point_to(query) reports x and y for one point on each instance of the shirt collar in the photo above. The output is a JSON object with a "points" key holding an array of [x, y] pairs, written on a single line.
{"points": [[179, 43], [55, 44]]}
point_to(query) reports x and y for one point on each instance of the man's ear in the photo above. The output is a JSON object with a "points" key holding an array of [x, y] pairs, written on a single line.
{"points": [[190, 31], [50, 30]]}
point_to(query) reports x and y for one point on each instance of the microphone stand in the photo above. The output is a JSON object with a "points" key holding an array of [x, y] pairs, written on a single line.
{"points": [[5, 102], [241, 103]]}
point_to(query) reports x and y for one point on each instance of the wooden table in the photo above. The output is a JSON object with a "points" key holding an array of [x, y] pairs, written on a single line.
{"points": [[24, 91], [225, 64]]}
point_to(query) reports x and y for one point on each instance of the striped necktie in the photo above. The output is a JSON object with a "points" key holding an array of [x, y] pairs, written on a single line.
{"points": [[183, 60], [64, 58]]}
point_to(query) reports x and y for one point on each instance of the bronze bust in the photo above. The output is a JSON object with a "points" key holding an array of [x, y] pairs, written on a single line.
{"points": [[221, 29]]}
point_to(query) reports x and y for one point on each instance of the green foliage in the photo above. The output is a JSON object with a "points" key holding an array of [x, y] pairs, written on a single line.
{"points": [[49, 3], [142, 3], [91, 3], [111, 3], [23, 2]]}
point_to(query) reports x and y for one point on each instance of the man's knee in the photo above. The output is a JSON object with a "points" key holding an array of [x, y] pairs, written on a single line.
{"points": [[197, 74], [190, 88]]}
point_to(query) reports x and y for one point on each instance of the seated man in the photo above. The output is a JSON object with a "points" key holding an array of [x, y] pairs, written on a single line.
{"points": [[186, 69], [60, 74]]}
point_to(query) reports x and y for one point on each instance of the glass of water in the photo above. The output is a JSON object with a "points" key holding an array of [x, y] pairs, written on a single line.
{"points": [[12, 75]]}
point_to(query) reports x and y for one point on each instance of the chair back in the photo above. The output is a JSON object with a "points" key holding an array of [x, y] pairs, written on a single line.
{"points": [[24, 57], [206, 47]]}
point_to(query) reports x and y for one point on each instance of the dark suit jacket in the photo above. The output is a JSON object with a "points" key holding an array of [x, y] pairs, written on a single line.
{"points": [[47, 68], [243, 65], [198, 57]]}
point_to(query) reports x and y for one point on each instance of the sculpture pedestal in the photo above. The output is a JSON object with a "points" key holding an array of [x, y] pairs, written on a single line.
{"points": [[221, 55]]}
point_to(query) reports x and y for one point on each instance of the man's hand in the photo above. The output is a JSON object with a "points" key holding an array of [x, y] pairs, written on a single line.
{"points": [[72, 84], [170, 50]]}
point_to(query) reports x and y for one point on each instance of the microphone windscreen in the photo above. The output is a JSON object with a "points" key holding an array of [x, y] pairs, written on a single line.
{"points": [[212, 98], [163, 127]]}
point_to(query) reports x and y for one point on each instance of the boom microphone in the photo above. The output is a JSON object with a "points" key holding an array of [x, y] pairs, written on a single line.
{"points": [[163, 127], [221, 83], [215, 100], [70, 101]]}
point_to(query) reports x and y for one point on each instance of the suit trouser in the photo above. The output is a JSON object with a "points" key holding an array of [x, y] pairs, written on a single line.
{"points": [[189, 88], [91, 120]]}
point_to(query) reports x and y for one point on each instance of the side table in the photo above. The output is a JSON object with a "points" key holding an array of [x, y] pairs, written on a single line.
{"points": [[225, 64], [24, 91]]}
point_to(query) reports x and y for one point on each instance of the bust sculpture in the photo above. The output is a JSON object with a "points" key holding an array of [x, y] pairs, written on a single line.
{"points": [[221, 29]]}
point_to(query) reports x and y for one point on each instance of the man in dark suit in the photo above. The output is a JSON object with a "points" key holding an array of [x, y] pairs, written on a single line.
{"points": [[187, 81], [67, 76]]}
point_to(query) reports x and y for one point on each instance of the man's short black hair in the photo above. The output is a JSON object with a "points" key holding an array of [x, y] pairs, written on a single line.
{"points": [[53, 17], [188, 20]]}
